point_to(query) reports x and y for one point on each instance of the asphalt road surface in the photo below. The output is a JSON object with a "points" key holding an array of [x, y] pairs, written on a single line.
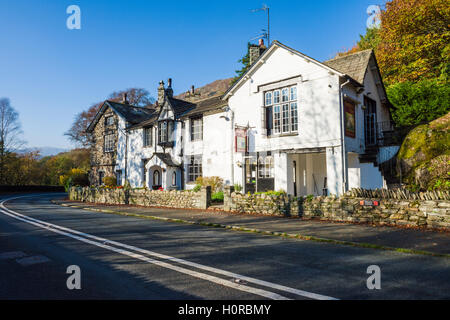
{"points": [[130, 258]]}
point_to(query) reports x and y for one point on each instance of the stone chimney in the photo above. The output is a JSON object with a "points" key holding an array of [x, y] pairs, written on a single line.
{"points": [[192, 90], [124, 98], [161, 93], [256, 50], [169, 90]]}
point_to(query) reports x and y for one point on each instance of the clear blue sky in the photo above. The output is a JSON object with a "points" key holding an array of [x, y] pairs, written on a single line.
{"points": [[51, 73]]}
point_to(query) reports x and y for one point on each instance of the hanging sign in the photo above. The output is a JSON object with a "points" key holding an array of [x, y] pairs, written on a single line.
{"points": [[241, 139]]}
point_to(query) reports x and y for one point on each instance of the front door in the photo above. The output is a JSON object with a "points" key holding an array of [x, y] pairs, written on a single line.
{"points": [[156, 183]]}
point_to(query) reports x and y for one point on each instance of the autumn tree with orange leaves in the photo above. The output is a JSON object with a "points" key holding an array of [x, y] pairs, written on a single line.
{"points": [[412, 46]]}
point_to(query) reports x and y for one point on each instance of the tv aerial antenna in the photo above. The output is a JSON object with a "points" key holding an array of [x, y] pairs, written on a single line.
{"points": [[265, 34]]}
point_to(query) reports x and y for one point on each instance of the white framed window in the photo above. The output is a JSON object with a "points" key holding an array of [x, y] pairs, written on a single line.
{"points": [[294, 117], [276, 119], [261, 168], [293, 93], [276, 96], [285, 118], [268, 99], [109, 143], [269, 167], [195, 169], [284, 95], [197, 129], [148, 136], [282, 110], [265, 167]]}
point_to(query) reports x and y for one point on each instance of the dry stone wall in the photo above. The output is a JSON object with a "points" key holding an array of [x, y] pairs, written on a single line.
{"points": [[143, 197], [349, 208]]}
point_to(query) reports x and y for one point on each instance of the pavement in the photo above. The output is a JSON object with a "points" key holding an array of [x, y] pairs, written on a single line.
{"points": [[129, 257], [419, 241]]}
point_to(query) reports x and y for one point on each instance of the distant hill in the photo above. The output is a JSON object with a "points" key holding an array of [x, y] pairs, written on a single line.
{"points": [[44, 151], [212, 89]]}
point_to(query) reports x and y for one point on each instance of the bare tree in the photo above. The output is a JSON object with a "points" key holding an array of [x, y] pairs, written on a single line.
{"points": [[77, 133], [10, 131], [136, 96]]}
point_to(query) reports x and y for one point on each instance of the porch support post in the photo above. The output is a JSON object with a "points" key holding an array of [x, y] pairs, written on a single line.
{"points": [[334, 170]]}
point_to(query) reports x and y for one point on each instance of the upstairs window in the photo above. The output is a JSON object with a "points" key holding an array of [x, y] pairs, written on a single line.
{"points": [[281, 111], [148, 137], [165, 132], [197, 129], [109, 143], [109, 121]]}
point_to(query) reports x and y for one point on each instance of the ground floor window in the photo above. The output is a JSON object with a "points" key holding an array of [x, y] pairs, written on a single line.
{"points": [[119, 177], [156, 178], [101, 175], [194, 169], [265, 167]]}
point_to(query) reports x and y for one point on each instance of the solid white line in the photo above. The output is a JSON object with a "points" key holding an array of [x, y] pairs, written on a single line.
{"points": [[180, 261]]}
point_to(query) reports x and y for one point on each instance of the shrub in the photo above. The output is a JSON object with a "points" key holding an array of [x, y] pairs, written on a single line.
{"points": [[110, 181], [197, 188], [217, 197], [216, 183], [237, 187], [75, 177]]}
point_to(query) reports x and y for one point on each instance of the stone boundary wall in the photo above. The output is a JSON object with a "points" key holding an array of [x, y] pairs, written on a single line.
{"points": [[143, 197], [399, 194], [416, 213]]}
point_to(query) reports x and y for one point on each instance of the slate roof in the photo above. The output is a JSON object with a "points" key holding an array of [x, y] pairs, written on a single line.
{"points": [[130, 113], [166, 158], [353, 65], [180, 106], [206, 105]]}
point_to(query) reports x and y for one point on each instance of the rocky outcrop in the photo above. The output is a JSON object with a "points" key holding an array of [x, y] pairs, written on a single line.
{"points": [[424, 157]]}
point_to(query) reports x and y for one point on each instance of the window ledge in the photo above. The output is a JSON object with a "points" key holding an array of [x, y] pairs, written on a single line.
{"points": [[283, 135]]}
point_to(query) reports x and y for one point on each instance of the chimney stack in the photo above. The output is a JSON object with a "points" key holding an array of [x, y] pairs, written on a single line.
{"points": [[169, 90], [124, 98], [192, 90], [161, 93], [256, 50]]}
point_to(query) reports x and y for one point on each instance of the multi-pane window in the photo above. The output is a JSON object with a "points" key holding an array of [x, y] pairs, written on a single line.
{"points": [[148, 137], [109, 143], [265, 167], [282, 105], [165, 131], [196, 129], [195, 169], [109, 121]]}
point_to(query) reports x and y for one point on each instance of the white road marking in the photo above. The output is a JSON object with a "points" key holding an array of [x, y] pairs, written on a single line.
{"points": [[12, 255], [101, 242], [29, 261]]}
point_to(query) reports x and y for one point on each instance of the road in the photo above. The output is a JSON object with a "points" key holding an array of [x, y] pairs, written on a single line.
{"points": [[131, 258]]}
